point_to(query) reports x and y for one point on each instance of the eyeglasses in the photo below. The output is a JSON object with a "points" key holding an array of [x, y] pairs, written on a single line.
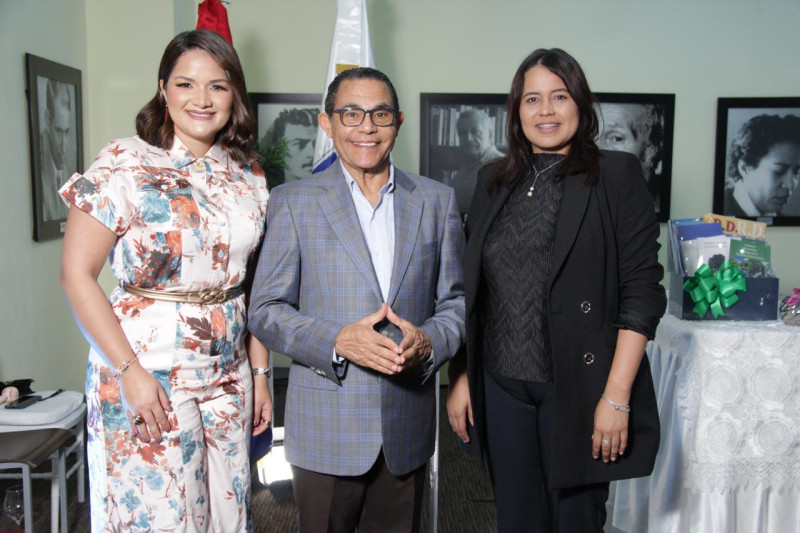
{"points": [[354, 116]]}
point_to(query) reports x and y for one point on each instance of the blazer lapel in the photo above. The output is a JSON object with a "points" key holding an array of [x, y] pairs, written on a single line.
{"points": [[407, 216], [472, 267], [337, 206], [574, 200]]}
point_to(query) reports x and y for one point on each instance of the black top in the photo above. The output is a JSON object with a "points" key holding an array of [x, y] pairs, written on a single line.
{"points": [[516, 262]]}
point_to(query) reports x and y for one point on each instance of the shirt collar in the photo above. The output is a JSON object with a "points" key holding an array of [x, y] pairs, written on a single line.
{"points": [[181, 156], [388, 187]]}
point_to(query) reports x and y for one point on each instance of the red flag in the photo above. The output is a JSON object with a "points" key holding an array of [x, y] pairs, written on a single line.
{"points": [[212, 15]]}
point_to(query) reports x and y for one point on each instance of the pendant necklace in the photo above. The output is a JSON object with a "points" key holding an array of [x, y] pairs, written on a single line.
{"points": [[536, 177]]}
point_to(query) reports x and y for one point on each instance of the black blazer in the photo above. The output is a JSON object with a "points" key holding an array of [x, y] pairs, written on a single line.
{"points": [[605, 276]]}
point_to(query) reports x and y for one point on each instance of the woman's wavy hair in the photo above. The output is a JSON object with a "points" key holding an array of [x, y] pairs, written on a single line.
{"points": [[583, 153], [237, 137]]}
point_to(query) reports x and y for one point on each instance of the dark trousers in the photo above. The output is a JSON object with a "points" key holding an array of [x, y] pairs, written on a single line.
{"points": [[375, 502], [518, 425]]}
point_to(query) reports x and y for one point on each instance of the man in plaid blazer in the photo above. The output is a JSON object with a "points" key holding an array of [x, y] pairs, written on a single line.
{"points": [[360, 283]]}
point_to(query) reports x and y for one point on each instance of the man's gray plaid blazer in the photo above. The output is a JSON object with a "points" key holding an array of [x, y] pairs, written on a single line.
{"points": [[315, 276]]}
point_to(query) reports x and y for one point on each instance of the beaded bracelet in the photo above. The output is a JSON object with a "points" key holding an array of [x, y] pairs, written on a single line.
{"points": [[125, 365], [617, 406]]}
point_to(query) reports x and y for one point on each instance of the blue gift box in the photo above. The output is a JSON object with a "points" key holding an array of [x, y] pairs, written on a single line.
{"points": [[758, 302]]}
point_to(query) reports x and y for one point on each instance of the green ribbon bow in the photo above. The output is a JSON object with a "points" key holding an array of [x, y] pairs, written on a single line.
{"points": [[715, 291]]}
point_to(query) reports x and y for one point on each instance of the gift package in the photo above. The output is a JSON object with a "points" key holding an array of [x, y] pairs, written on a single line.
{"points": [[720, 269]]}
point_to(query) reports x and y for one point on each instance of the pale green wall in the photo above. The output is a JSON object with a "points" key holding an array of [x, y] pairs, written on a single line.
{"points": [[117, 48], [698, 49], [124, 43], [38, 338]]}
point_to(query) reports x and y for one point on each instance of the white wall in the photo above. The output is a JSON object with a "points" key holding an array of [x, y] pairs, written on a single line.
{"points": [[698, 49]]}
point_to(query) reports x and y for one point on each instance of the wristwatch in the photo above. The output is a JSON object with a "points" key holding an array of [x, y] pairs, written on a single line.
{"points": [[262, 372]]}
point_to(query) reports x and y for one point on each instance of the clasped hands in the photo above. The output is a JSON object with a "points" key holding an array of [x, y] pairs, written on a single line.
{"points": [[361, 344]]}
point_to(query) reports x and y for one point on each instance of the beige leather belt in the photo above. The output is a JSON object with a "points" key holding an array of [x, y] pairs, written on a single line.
{"points": [[206, 296]]}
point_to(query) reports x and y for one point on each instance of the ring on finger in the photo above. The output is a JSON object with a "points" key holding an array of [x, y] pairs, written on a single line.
{"points": [[605, 442], [138, 420]]}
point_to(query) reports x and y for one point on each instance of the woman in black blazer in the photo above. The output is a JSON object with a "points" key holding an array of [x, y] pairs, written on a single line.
{"points": [[562, 285]]}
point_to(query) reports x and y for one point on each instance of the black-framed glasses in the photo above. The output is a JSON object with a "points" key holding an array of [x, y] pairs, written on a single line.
{"points": [[354, 116]]}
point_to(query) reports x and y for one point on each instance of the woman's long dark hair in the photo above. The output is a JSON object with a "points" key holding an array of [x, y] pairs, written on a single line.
{"points": [[583, 155], [237, 137]]}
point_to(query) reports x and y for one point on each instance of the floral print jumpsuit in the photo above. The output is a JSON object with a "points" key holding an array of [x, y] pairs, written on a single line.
{"points": [[183, 224]]}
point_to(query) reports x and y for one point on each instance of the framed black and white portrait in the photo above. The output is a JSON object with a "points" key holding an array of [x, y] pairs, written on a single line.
{"points": [[56, 140], [287, 133], [459, 133], [642, 124], [757, 162]]}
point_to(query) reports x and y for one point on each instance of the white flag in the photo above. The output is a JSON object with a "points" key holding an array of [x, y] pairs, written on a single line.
{"points": [[350, 48]]}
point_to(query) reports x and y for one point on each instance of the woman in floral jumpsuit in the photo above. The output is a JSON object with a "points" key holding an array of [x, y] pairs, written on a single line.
{"points": [[178, 210]]}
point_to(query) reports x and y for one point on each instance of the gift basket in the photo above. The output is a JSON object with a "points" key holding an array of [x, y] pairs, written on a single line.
{"points": [[720, 269]]}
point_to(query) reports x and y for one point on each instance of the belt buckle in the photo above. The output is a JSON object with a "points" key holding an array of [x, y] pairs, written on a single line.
{"points": [[212, 296]]}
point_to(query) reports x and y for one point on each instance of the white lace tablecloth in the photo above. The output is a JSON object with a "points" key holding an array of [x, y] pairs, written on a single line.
{"points": [[729, 403]]}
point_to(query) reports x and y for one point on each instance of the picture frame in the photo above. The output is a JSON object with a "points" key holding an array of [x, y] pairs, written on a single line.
{"points": [[453, 157], [55, 126], [286, 124], [642, 124], [757, 159]]}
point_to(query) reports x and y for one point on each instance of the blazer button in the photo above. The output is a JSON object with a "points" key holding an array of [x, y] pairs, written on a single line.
{"points": [[586, 306], [588, 358]]}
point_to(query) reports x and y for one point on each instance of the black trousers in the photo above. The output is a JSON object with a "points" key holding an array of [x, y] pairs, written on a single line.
{"points": [[518, 424], [375, 502]]}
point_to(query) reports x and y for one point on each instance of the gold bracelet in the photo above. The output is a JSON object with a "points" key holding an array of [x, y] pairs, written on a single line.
{"points": [[124, 366]]}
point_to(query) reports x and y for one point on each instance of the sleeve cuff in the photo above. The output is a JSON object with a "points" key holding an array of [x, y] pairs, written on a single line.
{"points": [[339, 364]]}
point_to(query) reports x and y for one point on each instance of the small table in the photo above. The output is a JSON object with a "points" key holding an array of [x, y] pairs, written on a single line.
{"points": [[729, 403], [65, 411]]}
